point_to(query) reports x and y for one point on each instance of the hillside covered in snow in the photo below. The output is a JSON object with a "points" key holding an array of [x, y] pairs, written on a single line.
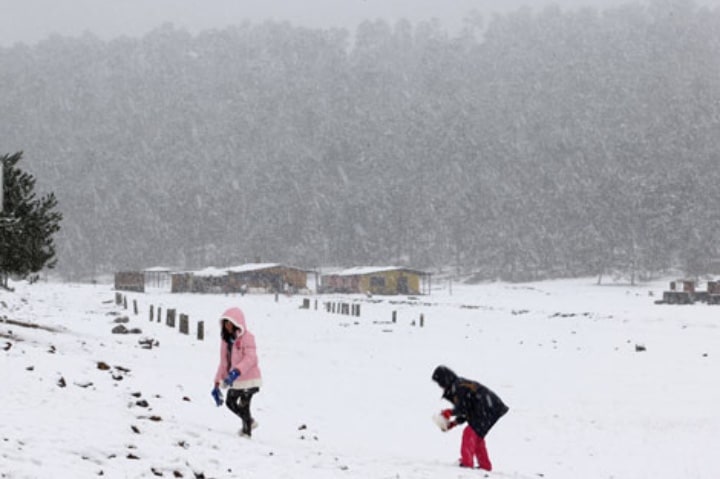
{"points": [[601, 383]]}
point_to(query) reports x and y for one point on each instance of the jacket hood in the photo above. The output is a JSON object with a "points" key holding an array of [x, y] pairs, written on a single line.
{"points": [[236, 317], [444, 376]]}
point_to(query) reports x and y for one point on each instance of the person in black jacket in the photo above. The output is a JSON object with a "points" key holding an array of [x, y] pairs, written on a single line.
{"points": [[475, 404]]}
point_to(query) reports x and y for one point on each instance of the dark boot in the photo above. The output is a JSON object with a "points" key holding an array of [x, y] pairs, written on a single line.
{"points": [[247, 427]]}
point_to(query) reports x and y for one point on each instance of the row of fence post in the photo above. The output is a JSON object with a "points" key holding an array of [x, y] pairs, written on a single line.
{"points": [[352, 310], [184, 320], [170, 316], [343, 308]]}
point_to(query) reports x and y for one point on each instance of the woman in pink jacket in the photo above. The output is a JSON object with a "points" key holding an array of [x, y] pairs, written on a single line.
{"points": [[238, 369]]}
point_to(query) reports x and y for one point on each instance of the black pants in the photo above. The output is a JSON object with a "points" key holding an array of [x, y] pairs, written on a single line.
{"points": [[238, 401]]}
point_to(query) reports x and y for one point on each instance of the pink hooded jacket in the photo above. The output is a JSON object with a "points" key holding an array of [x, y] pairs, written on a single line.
{"points": [[243, 356]]}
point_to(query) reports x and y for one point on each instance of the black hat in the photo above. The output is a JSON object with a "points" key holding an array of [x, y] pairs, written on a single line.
{"points": [[444, 376]]}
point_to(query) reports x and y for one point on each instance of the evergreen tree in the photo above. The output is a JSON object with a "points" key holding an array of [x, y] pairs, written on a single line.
{"points": [[27, 223]]}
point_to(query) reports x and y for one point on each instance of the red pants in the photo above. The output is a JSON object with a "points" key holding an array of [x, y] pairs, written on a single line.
{"points": [[473, 446]]}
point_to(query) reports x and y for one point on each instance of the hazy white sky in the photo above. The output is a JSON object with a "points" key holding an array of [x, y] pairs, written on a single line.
{"points": [[32, 20]]}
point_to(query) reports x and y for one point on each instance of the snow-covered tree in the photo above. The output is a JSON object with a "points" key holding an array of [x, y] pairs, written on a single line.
{"points": [[27, 223]]}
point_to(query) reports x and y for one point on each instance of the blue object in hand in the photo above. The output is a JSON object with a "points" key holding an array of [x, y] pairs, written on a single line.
{"points": [[217, 395], [231, 377]]}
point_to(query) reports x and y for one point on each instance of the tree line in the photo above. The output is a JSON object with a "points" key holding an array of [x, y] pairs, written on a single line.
{"points": [[534, 144]]}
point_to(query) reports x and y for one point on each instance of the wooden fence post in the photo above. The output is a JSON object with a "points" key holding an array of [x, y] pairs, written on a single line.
{"points": [[170, 318], [159, 316], [135, 307], [151, 312], [201, 330], [184, 324]]}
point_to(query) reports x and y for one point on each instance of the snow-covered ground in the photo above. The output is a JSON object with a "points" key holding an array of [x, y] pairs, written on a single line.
{"points": [[351, 397]]}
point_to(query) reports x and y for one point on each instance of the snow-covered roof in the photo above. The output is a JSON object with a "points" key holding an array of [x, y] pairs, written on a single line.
{"points": [[244, 268], [211, 272], [161, 269], [362, 270]]}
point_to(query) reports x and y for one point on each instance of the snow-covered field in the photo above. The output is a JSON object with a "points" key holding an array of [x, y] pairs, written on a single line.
{"points": [[351, 397]]}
